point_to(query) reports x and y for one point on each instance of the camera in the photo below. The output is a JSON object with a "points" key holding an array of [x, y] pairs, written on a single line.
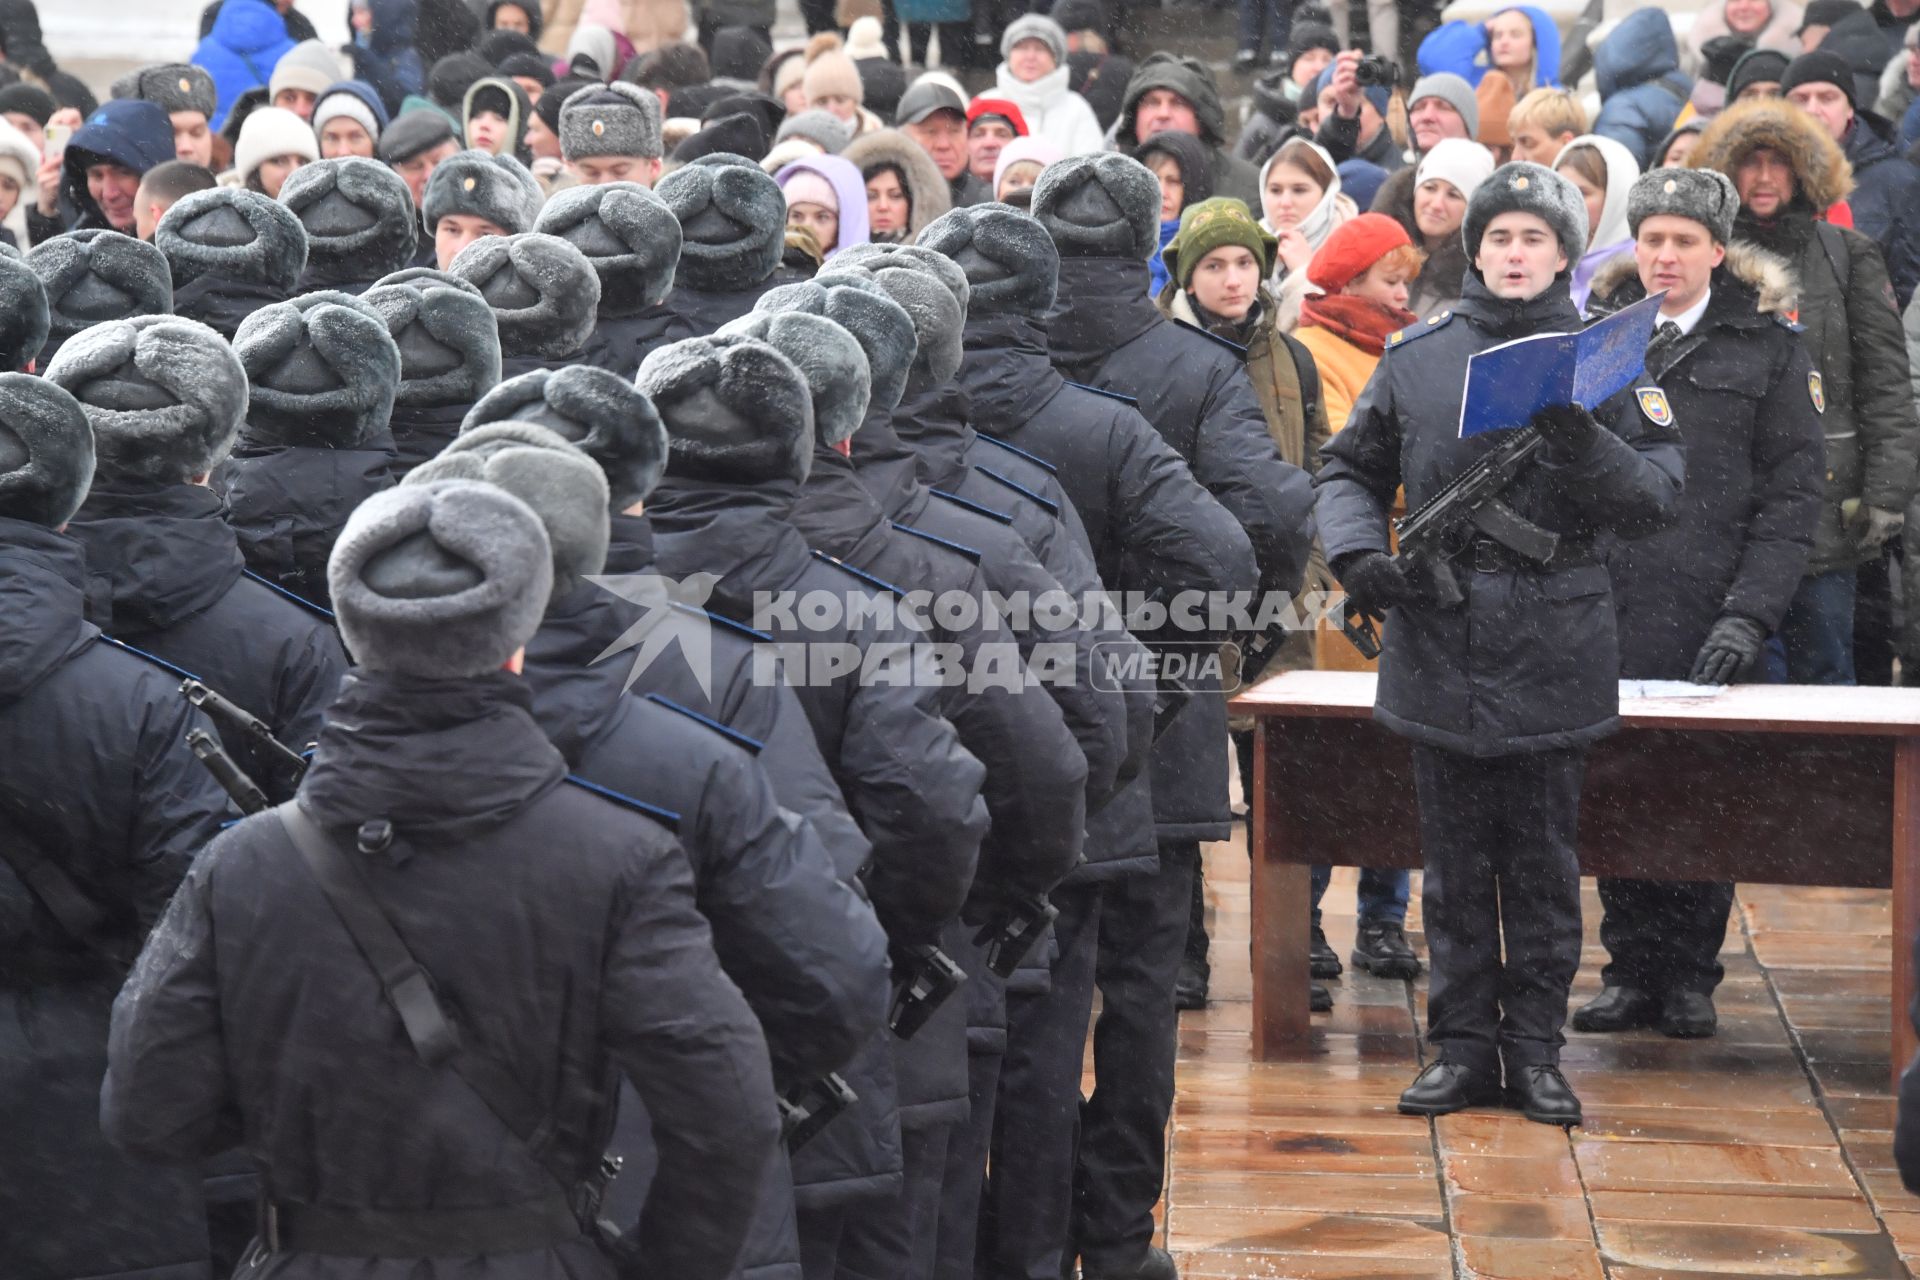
{"points": [[1377, 70]]}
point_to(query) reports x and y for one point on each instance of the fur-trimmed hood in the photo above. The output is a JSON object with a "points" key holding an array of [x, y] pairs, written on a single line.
{"points": [[1819, 167], [927, 192], [1767, 274]]}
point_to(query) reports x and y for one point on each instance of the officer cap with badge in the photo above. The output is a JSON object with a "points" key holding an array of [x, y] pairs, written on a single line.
{"points": [[610, 120]]}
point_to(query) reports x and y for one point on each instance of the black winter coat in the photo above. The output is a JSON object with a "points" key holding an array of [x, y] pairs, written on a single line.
{"points": [[288, 504], [1739, 545], [620, 343], [1886, 199], [252, 1016], [703, 312], [1529, 662], [1107, 334], [166, 576], [420, 432], [221, 303], [99, 779]]}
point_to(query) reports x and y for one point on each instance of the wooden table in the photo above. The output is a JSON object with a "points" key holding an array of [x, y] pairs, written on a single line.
{"points": [[1780, 784]]}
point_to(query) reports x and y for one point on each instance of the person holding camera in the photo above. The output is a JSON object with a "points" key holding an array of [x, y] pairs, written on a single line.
{"points": [[1354, 94]]}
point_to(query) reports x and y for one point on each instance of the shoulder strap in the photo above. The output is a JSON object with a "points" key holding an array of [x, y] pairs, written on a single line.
{"points": [[409, 989], [1308, 374], [1839, 252], [56, 890]]}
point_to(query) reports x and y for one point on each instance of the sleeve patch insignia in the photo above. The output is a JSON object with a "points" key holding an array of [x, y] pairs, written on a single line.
{"points": [[1817, 392], [1653, 403]]}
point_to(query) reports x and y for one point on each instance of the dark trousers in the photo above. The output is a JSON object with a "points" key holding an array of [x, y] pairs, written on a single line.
{"points": [[1026, 1214], [818, 15], [882, 1239], [965, 1178], [1873, 631], [1268, 19], [1498, 838], [1817, 633], [1664, 935], [1123, 1126]]}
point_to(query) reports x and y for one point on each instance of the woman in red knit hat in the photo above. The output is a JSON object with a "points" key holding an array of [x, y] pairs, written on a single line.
{"points": [[1365, 270]]}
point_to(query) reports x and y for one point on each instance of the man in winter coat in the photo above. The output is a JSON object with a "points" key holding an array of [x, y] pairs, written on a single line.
{"points": [[186, 94], [449, 344], [104, 162], [471, 195], [1787, 169], [733, 226], [544, 294], [321, 373], [90, 276], [596, 962], [801, 944], [1886, 186], [1102, 213], [1500, 694], [632, 240], [1152, 526], [166, 398], [360, 220], [1353, 117], [1169, 91], [1698, 600], [612, 134], [231, 252], [1642, 89], [101, 810], [935, 117]]}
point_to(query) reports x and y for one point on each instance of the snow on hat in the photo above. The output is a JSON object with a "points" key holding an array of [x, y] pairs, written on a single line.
{"points": [[1453, 91], [24, 315], [497, 188], [629, 235], [831, 360], [733, 222], [857, 304], [309, 65], [96, 275], [172, 86], [559, 484], [596, 410], [272, 131], [1705, 195], [359, 218], [1462, 164], [736, 410], [618, 119], [1100, 206], [1010, 263], [165, 395], [440, 580], [1353, 248], [543, 291], [232, 232], [46, 451], [915, 257], [1523, 187], [1036, 26], [446, 334], [321, 371], [938, 317]]}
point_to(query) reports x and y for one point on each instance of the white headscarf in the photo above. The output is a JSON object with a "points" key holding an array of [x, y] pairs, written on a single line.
{"points": [[1319, 224], [1622, 169]]}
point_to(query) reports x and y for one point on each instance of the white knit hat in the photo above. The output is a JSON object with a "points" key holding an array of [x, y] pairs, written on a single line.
{"points": [[309, 65], [1464, 164], [345, 102], [270, 132]]}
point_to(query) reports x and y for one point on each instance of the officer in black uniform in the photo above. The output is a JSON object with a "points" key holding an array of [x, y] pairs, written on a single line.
{"points": [[1698, 600], [1502, 692]]}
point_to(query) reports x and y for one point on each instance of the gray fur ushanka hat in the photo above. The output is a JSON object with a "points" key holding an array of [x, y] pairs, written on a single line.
{"points": [[629, 235], [1102, 205], [171, 86], [235, 233], [1705, 195], [321, 371], [165, 395], [938, 318], [827, 356], [617, 119], [880, 325], [24, 316], [1008, 257], [447, 336], [359, 218], [543, 291], [1523, 187], [46, 451], [497, 188], [97, 275], [559, 483], [594, 409], [733, 222], [913, 257], [440, 580], [736, 410]]}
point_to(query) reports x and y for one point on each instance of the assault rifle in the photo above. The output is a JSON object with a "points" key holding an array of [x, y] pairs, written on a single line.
{"points": [[923, 977], [806, 1111], [1012, 934], [237, 724], [233, 780], [1468, 507]]}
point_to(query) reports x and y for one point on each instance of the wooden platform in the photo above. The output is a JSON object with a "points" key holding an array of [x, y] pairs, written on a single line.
{"points": [[1764, 1152]]}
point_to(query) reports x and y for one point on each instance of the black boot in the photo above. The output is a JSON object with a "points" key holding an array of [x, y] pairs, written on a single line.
{"points": [[1381, 949], [1618, 1009], [1319, 999], [1323, 961], [1190, 987], [1156, 1264], [1542, 1094], [1688, 1015], [1445, 1087]]}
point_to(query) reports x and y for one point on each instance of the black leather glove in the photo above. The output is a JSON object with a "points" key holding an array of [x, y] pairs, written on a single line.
{"points": [[1373, 582], [1569, 429], [1731, 650]]}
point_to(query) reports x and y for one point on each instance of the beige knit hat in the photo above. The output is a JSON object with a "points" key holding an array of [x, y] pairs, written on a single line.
{"points": [[832, 74]]}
